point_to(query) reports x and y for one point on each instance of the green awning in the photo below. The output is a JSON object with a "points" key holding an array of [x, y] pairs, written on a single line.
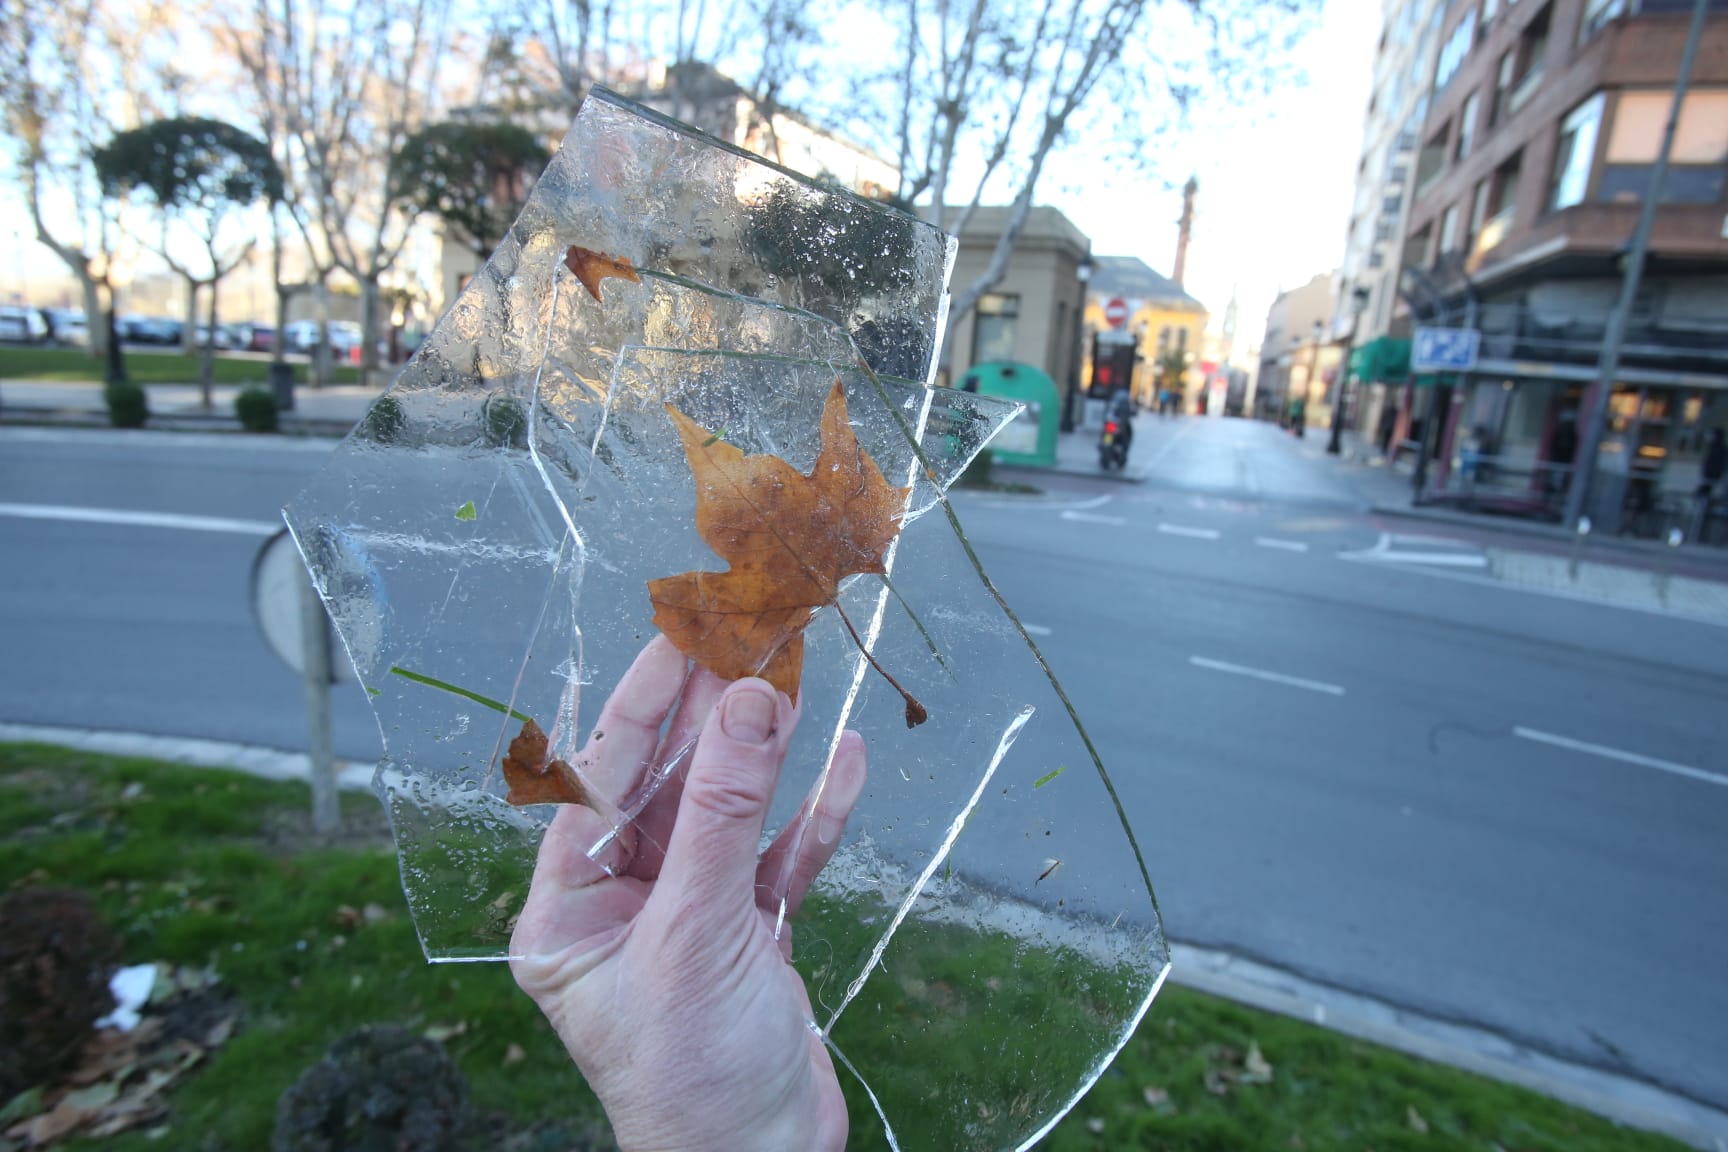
{"points": [[1383, 360]]}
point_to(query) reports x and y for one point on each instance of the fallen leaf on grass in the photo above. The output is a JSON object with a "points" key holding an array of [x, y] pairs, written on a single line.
{"points": [[1415, 1120], [789, 540], [514, 1055], [1216, 1082], [1158, 1100], [22, 1106], [443, 1033], [1095, 1125]]}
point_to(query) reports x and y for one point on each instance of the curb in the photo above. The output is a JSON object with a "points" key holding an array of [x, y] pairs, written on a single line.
{"points": [[266, 763], [1649, 550], [1623, 1100]]}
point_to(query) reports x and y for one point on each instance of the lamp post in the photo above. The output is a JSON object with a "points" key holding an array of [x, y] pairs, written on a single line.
{"points": [[1335, 445], [1299, 423], [1083, 273]]}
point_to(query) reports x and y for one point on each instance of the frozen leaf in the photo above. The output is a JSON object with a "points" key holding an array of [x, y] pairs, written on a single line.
{"points": [[467, 511], [790, 539], [22, 1106], [654, 270]]}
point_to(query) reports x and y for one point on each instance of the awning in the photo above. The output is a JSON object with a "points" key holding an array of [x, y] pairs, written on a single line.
{"points": [[1383, 360]]}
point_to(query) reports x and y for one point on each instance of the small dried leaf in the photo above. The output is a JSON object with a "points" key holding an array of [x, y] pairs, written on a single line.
{"points": [[514, 1055], [591, 267], [1415, 1120], [532, 778], [1255, 1069]]}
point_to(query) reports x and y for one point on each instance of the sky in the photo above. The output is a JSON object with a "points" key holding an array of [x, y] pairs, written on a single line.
{"points": [[1276, 179], [1276, 182]]}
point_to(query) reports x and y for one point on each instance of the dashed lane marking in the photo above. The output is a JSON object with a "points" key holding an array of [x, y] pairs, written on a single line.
{"points": [[1269, 677], [1093, 518], [1282, 545], [1191, 533], [1624, 757]]}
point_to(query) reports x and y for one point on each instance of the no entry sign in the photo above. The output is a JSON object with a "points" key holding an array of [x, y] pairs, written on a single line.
{"points": [[1116, 312]]}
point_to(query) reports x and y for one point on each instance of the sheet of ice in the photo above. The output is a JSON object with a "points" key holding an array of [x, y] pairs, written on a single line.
{"points": [[986, 937]]}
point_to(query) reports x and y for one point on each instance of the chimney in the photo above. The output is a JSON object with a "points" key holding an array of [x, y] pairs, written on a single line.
{"points": [[1184, 227]]}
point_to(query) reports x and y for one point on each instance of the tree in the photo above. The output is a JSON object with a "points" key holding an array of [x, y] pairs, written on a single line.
{"points": [[473, 175], [200, 174], [1172, 371], [338, 86], [58, 69], [989, 91]]}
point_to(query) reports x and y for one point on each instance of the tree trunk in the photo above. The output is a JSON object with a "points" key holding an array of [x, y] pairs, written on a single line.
{"points": [[207, 364], [189, 337], [279, 346], [93, 322], [369, 293], [321, 345]]}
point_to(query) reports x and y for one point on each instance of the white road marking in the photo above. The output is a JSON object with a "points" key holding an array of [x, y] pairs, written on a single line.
{"points": [[1095, 502], [1608, 753], [122, 516], [1383, 553], [1269, 677], [1036, 629], [1285, 545], [1191, 533], [1092, 518]]}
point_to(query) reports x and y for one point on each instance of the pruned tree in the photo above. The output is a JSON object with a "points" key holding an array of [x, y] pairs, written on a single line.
{"points": [[338, 86], [201, 175], [59, 70], [473, 175]]}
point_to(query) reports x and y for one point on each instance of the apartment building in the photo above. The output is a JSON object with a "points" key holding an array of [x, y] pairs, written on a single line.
{"points": [[1543, 124]]}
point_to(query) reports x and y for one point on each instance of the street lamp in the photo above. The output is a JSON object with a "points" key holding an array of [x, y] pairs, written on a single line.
{"points": [[1334, 446]]}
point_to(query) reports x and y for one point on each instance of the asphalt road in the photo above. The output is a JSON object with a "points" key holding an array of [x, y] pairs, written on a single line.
{"points": [[1480, 802]]}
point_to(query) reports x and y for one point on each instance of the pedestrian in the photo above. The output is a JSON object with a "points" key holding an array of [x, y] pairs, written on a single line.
{"points": [[1299, 415], [659, 967]]}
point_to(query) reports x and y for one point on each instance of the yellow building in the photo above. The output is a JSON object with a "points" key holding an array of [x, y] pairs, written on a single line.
{"points": [[1128, 303]]}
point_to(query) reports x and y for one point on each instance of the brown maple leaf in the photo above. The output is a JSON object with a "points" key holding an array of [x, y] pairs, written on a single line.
{"points": [[591, 267], [789, 538], [535, 779]]}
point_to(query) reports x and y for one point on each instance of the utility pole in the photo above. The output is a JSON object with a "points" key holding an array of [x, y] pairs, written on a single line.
{"points": [[1614, 335], [1335, 445]]}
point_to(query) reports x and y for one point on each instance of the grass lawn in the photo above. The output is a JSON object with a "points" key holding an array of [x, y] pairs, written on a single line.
{"points": [[76, 365], [200, 867]]}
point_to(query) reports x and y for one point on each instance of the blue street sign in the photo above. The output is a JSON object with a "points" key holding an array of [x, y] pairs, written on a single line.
{"points": [[1444, 349]]}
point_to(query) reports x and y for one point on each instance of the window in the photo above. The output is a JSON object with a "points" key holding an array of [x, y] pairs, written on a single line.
{"points": [[1532, 55], [1449, 231], [1431, 161], [1163, 339], [1503, 87], [1505, 195], [1478, 212], [1467, 125], [994, 327], [1597, 14], [1696, 161], [1575, 154], [1456, 48]]}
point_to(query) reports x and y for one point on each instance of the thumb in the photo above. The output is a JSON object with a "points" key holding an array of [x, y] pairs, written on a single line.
{"points": [[711, 862]]}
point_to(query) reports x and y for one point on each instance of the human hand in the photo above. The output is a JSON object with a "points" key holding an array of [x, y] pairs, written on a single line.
{"points": [[664, 979]]}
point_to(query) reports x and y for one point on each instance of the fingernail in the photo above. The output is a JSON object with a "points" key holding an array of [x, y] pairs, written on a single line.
{"points": [[828, 828], [748, 715]]}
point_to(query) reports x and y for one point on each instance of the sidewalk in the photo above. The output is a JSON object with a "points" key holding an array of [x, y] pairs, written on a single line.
{"points": [[330, 411], [1389, 492]]}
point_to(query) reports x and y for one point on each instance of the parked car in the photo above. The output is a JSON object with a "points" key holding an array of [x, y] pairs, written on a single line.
{"points": [[260, 338], [150, 329], [67, 325], [302, 336], [22, 325], [228, 336]]}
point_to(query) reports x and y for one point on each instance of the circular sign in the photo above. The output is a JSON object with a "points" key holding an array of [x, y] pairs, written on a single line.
{"points": [[278, 578], [1116, 312]]}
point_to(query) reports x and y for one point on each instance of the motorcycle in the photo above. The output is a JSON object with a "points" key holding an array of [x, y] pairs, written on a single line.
{"points": [[1113, 445]]}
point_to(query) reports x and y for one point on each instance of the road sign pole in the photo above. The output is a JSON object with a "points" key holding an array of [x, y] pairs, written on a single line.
{"points": [[321, 759]]}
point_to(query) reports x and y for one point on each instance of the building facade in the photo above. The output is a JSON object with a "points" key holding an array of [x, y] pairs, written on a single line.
{"points": [[1031, 315], [1299, 359], [1128, 304], [1544, 123]]}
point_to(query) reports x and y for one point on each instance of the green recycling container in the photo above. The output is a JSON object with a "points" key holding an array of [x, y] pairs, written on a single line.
{"points": [[1030, 439]]}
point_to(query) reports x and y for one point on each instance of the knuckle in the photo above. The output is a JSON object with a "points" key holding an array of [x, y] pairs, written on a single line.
{"points": [[730, 792]]}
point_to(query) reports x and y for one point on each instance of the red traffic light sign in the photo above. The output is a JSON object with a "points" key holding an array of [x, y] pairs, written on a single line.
{"points": [[1116, 312]]}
